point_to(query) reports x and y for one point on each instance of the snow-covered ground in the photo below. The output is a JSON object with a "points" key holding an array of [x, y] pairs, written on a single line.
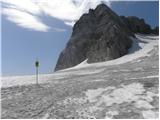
{"points": [[126, 87], [134, 92]]}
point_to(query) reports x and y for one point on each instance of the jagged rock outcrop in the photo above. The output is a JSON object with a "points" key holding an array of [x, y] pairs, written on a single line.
{"points": [[137, 25], [100, 35], [156, 30]]}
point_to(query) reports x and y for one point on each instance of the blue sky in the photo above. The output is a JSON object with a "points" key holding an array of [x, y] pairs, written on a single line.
{"points": [[38, 32]]}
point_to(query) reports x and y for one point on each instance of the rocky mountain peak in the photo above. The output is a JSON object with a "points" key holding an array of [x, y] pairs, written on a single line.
{"points": [[102, 7], [100, 35]]}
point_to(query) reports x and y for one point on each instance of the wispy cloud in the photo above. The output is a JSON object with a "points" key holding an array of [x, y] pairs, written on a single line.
{"points": [[25, 20], [59, 29], [25, 13]]}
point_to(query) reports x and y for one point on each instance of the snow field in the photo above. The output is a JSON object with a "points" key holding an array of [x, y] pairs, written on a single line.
{"points": [[132, 93]]}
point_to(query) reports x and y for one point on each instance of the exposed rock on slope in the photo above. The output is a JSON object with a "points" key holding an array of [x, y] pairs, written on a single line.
{"points": [[137, 25], [100, 35], [156, 30]]}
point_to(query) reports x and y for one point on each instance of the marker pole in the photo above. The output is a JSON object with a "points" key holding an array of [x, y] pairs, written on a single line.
{"points": [[37, 75]]}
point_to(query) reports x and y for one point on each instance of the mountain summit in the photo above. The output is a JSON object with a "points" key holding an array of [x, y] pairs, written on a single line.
{"points": [[99, 35]]}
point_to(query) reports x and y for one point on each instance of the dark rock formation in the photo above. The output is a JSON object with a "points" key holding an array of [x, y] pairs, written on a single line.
{"points": [[156, 30], [137, 25], [100, 35]]}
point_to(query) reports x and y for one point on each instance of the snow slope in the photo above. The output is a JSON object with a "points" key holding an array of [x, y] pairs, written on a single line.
{"points": [[124, 88]]}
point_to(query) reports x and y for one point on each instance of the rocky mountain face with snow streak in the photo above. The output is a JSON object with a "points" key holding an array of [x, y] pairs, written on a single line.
{"points": [[100, 35], [97, 36]]}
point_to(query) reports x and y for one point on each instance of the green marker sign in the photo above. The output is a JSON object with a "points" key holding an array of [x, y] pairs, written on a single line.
{"points": [[37, 65]]}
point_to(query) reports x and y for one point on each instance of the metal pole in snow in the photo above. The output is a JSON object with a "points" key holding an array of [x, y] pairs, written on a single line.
{"points": [[37, 75]]}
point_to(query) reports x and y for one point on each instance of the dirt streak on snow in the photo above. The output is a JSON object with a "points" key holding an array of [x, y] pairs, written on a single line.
{"points": [[152, 76]]}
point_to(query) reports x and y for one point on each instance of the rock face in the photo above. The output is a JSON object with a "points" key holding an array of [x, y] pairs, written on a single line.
{"points": [[101, 35], [98, 36], [156, 30], [137, 25]]}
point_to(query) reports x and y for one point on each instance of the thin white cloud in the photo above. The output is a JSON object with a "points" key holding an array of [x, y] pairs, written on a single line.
{"points": [[59, 29], [25, 12], [23, 5], [25, 20]]}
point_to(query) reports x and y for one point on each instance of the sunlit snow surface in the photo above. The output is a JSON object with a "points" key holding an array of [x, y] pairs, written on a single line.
{"points": [[126, 87]]}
